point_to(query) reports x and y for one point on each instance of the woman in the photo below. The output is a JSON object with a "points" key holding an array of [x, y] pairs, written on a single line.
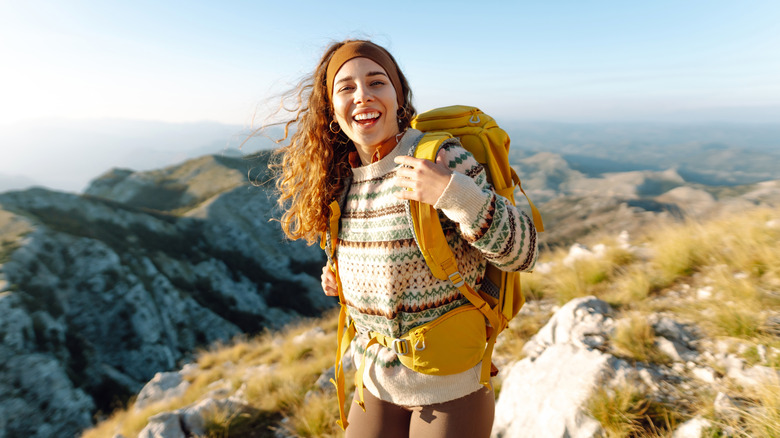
{"points": [[353, 137]]}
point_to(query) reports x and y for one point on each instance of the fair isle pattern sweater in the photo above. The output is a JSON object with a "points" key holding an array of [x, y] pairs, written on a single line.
{"points": [[387, 285]]}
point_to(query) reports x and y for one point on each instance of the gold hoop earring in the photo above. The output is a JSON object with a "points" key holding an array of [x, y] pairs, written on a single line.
{"points": [[401, 118], [330, 126]]}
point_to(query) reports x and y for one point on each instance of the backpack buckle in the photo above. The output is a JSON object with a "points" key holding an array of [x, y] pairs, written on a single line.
{"points": [[456, 279], [401, 347]]}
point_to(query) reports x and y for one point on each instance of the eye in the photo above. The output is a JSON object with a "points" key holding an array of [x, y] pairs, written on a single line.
{"points": [[344, 88], [377, 82]]}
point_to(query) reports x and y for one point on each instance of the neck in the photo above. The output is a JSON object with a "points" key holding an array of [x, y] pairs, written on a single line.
{"points": [[367, 154]]}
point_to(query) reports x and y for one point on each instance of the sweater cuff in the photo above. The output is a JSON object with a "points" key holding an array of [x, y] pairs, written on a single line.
{"points": [[462, 199]]}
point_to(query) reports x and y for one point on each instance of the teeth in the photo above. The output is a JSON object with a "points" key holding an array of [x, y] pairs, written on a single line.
{"points": [[366, 116]]}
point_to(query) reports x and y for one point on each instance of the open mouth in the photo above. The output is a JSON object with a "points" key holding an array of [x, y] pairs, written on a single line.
{"points": [[367, 119]]}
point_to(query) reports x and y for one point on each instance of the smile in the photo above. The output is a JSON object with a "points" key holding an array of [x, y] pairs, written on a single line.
{"points": [[366, 117]]}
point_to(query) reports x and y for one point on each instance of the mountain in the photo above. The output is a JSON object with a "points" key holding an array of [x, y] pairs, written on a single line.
{"points": [[99, 292], [707, 153], [575, 204]]}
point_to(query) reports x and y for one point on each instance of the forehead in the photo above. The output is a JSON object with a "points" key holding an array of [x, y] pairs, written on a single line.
{"points": [[358, 67]]}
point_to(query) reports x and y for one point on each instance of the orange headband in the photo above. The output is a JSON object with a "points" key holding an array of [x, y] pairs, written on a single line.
{"points": [[364, 49]]}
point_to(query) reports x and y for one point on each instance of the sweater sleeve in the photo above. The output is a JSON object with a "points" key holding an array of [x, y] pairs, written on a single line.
{"points": [[487, 221]]}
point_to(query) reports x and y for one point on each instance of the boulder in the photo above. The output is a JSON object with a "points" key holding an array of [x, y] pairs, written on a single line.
{"points": [[693, 428], [582, 322], [163, 386], [544, 397], [544, 394], [191, 420]]}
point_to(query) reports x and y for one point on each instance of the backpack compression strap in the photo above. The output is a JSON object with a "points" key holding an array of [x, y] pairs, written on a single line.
{"points": [[438, 254], [538, 224]]}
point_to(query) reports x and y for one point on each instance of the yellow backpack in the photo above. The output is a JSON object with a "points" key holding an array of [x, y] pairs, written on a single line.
{"points": [[459, 339]]}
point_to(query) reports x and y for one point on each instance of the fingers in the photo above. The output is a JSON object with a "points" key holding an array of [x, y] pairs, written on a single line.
{"points": [[328, 281], [423, 180], [406, 160]]}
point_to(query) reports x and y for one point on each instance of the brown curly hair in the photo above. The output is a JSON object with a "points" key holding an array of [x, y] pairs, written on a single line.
{"points": [[312, 168]]}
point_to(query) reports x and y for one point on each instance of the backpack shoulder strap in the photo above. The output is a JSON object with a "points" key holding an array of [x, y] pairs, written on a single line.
{"points": [[425, 219], [346, 327], [438, 254]]}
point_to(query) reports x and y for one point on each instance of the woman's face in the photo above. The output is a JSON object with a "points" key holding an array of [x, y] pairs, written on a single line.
{"points": [[365, 103]]}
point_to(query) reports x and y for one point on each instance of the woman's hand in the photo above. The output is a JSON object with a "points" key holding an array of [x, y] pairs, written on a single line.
{"points": [[329, 285], [423, 180]]}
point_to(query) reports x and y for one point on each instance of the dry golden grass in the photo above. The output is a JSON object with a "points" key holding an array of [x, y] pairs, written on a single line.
{"points": [[293, 362], [533, 286], [625, 411], [762, 418], [630, 288], [756, 413], [634, 339]]}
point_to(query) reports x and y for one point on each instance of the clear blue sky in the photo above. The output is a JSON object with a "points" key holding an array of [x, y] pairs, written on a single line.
{"points": [[557, 60]]}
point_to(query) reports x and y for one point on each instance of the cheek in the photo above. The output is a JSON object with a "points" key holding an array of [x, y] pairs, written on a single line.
{"points": [[339, 109]]}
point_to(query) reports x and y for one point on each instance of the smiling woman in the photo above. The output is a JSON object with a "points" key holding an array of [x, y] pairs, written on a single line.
{"points": [[365, 105], [351, 152]]}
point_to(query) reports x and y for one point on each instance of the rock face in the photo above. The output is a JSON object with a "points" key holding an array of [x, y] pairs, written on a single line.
{"points": [[546, 393], [96, 296], [543, 394]]}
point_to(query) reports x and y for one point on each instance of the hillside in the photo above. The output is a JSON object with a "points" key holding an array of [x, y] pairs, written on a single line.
{"points": [[101, 291], [99, 294], [629, 337]]}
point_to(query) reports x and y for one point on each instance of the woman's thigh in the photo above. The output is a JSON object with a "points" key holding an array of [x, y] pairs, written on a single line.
{"points": [[468, 417], [381, 419]]}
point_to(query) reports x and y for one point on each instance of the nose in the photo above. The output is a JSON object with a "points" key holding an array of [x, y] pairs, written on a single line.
{"points": [[363, 94]]}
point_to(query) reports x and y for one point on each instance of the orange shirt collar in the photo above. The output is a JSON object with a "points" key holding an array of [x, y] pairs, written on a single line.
{"points": [[382, 150]]}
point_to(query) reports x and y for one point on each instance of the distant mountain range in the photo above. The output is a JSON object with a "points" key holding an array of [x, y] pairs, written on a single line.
{"points": [[66, 154], [711, 154]]}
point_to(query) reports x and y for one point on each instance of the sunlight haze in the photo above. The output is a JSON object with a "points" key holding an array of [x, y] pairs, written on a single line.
{"points": [[227, 62]]}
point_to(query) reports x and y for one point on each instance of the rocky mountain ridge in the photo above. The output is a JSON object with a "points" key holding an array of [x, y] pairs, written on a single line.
{"points": [[96, 295]]}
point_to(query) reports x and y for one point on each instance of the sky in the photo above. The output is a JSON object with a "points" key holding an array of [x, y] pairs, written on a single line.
{"points": [[66, 65], [190, 61]]}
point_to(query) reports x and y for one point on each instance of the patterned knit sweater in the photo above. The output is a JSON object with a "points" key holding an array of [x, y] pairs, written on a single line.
{"points": [[387, 285]]}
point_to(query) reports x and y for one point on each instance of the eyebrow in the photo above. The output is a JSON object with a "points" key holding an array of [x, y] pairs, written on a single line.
{"points": [[371, 73]]}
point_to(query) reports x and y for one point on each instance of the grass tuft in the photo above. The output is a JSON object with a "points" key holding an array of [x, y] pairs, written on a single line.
{"points": [[625, 411], [634, 339]]}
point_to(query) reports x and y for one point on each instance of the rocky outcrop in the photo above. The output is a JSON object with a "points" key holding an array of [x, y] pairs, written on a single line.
{"points": [[96, 296], [546, 393]]}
